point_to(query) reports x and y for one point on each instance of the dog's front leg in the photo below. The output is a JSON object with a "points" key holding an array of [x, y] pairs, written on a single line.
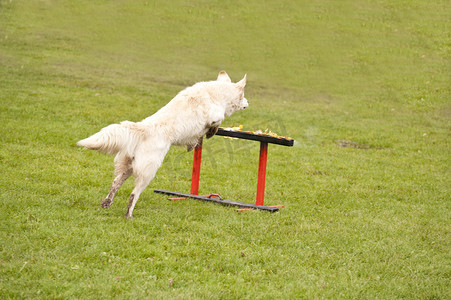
{"points": [[213, 129], [211, 132], [191, 147]]}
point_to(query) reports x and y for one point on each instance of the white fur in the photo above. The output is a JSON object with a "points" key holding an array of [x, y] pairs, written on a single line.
{"points": [[141, 147]]}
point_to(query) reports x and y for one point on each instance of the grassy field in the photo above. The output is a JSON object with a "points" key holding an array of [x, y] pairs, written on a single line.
{"points": [[362, 86]]}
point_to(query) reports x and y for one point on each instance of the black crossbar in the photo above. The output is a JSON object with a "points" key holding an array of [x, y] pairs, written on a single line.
{"points": [[216, 200], [256, 137]]}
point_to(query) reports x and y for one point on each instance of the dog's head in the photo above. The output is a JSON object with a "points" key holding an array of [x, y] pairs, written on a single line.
{"points": [[235, 91]]}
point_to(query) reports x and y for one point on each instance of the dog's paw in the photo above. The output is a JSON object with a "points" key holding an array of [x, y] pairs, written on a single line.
{"points": [[211, 132], [106, 203], [129, 217]]}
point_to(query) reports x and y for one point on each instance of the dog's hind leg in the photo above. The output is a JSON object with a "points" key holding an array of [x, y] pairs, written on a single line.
{"points": [[144, 171], [117, 183], [123, 171], [140, 185]]}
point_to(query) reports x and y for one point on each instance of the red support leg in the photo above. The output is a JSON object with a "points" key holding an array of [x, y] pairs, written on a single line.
{"points": [[196, 169], [262, 173]]}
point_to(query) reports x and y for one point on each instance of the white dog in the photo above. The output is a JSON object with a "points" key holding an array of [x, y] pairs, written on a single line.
{"points": [[141, 147]]}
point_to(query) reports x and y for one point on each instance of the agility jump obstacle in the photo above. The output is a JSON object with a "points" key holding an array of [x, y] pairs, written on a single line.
{"points": [[264, 141]]}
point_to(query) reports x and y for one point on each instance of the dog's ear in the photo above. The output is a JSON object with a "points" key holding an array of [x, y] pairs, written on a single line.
{"points": [[224, 77], [242, 83]]}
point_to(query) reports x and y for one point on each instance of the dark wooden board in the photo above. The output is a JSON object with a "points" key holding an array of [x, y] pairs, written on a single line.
{"points": [[216, 200], [255, 137]]}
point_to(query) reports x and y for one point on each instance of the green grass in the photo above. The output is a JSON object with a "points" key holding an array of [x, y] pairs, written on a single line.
{"points": [[367, 221]]}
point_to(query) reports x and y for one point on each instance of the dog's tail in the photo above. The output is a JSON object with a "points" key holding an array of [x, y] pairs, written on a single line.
{"points": [[115, 138]]}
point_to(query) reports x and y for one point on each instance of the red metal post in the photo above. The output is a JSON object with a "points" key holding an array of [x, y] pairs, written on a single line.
{"points": [[262, 173], [196, 169]]}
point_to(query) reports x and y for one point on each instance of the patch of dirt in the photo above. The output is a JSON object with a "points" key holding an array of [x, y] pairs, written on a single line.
{"points": [[316, 172], [352, 144]]}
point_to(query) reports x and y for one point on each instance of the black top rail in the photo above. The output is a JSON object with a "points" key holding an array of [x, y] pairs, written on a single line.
{"points": [[255, 137]]}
